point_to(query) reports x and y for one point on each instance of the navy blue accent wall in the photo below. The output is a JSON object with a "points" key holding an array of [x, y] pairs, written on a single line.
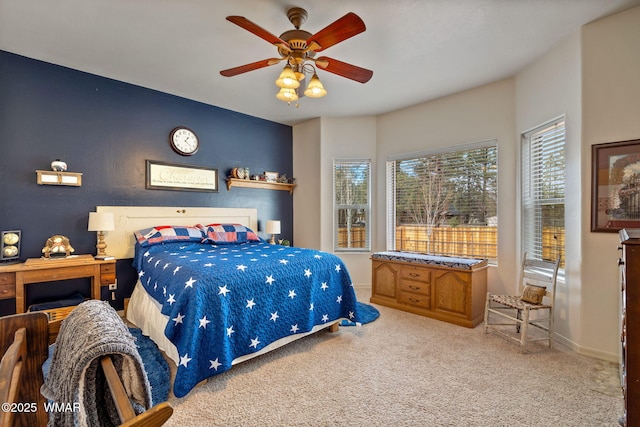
{"points": [[107, 129]]}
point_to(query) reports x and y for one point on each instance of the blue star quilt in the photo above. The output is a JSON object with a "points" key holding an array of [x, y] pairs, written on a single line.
{"points": [[226, 301]]}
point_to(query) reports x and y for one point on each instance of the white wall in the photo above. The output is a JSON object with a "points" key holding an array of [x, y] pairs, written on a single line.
{"points": [[306, 168], [479, 114], [316, 144], [610, 112], [547, 89]]}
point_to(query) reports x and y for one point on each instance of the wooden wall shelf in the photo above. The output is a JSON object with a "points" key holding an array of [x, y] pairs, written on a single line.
{"points": [[73, 179], [248, 183]]}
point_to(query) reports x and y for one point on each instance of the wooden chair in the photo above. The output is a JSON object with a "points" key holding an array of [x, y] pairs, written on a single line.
{"points": [[536, 294], [24, 343], [11, 374], [24, 340], [155, 416]]}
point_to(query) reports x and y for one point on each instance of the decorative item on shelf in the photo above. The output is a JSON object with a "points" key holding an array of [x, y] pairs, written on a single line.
{"points": [[58, 166], [10, 246], [101, 222], [239, 173], [272, 228], [271, 176], [57, 246], [282, 179], [284, 242]]}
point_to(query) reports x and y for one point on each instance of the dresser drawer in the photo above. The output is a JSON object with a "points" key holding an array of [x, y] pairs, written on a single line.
{"points": [[417, 300], [413, 286], [415, 274], [7, 279], [107, 274], [7, 291], [107, 279], [108, 268]]}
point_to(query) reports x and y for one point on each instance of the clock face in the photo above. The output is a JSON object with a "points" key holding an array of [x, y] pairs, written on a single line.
{"points": [[184, 141]]}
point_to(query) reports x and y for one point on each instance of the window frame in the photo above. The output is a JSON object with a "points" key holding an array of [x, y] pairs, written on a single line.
{"points": [[532, 221], [366, 207], [391, 227]]}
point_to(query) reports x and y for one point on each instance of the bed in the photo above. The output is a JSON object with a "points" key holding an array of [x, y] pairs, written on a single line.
{"points": [[212, 294]]}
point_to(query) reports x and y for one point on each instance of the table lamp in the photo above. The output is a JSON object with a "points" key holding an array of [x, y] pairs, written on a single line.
{"points": [[273, 228], [101, 222]]}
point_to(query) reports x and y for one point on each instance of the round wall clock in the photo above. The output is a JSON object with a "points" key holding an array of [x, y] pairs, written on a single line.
{"points": [[184, 141]]}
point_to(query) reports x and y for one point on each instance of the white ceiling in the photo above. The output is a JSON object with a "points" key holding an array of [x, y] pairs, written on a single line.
{"points": [[418, 49]]}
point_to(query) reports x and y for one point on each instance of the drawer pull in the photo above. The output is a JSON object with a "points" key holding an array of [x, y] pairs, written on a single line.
{"points": [[413, 300], [414, 275], [415, 288]]}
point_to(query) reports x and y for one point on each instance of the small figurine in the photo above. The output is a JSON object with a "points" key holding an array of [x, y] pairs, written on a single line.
{"points": [[57, 245]]}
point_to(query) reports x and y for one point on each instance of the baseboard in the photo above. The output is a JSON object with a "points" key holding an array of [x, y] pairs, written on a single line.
{"points": [[362, 286], [586, 351]]}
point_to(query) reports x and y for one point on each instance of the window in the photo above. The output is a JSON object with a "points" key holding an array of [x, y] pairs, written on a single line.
{"points": [[543, 164], [351, 206], [445, 203]]}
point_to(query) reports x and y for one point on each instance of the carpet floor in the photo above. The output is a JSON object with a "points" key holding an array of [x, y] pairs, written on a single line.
{"points": [[407, 370]]}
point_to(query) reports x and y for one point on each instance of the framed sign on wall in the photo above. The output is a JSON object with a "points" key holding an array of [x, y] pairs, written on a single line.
{"points": [[171, 176]]}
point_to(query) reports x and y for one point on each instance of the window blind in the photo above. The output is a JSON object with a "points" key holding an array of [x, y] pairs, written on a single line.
{"points": [[352, 212], [445, 203], [543, 189]]}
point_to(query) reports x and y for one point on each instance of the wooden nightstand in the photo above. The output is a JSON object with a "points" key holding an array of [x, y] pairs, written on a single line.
{"points": [[14, 277]]}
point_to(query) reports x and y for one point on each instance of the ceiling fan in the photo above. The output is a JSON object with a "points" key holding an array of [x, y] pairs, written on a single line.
{"points": [[299, 47]]}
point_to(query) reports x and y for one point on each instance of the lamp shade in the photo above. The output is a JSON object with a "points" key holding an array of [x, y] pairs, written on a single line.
{"points": [[101, 221], [315, 89], [287, 95], [287, 79], [273, 227]]}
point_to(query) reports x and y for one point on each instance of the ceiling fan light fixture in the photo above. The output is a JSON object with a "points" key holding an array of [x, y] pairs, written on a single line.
{"points": [[315, 89], [287, 95], [287, 79]]}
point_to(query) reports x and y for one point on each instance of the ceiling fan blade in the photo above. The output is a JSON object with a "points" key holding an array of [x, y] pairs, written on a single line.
{"points": [[250, 67], [254, 28], [343, 69], [342, 29]]}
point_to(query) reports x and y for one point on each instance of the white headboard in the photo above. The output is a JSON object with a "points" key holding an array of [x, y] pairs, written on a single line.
{"points": [[121, 243]]}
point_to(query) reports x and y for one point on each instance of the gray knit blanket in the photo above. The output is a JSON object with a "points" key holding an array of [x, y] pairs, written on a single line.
{"points": [[76, 380]]}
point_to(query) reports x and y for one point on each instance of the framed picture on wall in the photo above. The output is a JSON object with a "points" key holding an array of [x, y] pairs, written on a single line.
{"points": [[171, 176], [615, 186]]}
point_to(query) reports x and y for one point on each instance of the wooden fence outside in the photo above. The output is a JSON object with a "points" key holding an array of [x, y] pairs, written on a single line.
{"points": [[462, 241], [358, 237]]}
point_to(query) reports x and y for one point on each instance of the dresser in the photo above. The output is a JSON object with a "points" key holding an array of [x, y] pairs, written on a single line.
{"points": [[445, 288], [629, 263]]}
